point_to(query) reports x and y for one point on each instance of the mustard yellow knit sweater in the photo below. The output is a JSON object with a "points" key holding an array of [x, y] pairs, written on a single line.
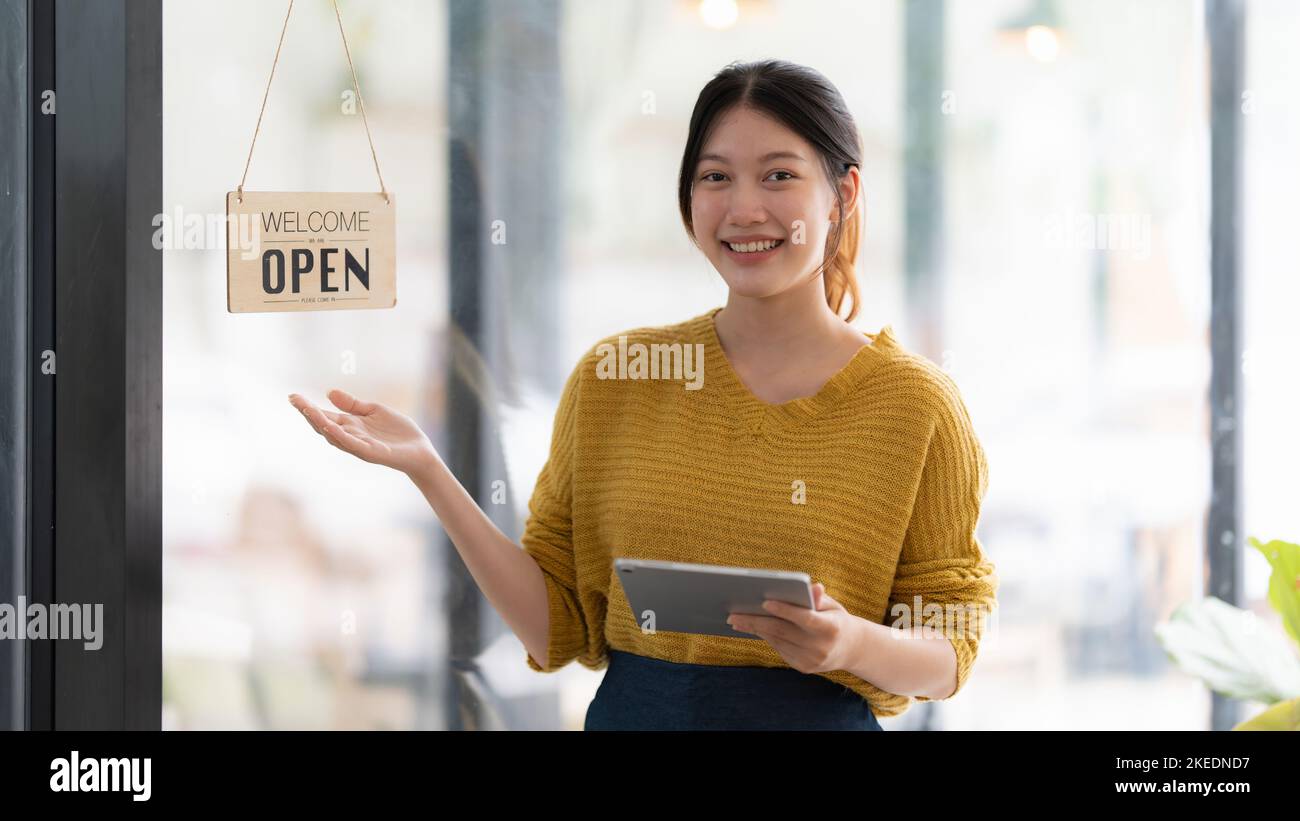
{"points": [[872, 486]]}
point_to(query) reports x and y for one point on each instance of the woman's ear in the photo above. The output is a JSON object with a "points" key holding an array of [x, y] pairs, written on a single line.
{"points": [[850, 189]]}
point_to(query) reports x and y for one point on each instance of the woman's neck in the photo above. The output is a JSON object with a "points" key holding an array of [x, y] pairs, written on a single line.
{"points": [[796, 322]]}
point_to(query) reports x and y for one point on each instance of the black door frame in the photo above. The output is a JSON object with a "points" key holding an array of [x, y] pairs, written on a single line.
{"points": [[15, 210], [93, 295]]}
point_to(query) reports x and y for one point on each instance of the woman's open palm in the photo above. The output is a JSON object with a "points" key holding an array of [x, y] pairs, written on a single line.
{"points": [[368, 430]]}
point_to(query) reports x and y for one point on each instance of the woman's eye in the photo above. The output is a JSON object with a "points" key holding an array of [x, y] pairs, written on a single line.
{"points": [[718, 176]]}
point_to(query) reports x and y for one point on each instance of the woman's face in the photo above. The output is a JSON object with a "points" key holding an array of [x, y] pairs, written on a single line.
{"points": [[759, 182]]}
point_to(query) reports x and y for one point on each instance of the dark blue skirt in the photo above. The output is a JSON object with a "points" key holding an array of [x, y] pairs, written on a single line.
{"points": [[641, 693]]}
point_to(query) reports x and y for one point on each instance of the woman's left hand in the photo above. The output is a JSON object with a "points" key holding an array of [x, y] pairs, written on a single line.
{"points": [[811, 641]]}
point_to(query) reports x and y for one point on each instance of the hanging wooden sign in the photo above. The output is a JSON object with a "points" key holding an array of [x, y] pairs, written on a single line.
{"points": [[310, 251]]}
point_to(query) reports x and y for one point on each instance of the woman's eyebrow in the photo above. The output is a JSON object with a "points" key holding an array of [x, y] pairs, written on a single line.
{"points": [[768, 157]]}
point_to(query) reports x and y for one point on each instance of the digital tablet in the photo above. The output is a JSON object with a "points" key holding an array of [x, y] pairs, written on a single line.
{"points": [[698, 598]]}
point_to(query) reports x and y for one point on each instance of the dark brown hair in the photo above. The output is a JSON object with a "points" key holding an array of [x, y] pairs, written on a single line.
{"points": [[808, 104]]}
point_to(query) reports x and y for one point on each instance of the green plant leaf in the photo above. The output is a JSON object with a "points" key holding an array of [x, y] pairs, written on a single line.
{"points": [[1231, 650], [1284, 583], [1285, 715]]}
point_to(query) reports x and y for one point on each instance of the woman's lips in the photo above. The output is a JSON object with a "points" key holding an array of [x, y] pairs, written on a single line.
{"points": [[753, 256]]}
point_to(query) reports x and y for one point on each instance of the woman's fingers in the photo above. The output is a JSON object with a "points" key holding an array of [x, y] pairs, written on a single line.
{"points": [[343, 440], [303, 404], [344, 431], [331, 425], [316, 417], [309, 412], [347, 402], [305, 408]]}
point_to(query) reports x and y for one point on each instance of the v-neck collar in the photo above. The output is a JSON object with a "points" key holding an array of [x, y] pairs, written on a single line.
{"points": [[754, 414]]}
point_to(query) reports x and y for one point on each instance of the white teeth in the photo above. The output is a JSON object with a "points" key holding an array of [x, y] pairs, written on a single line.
{"points": [[751, 247]]}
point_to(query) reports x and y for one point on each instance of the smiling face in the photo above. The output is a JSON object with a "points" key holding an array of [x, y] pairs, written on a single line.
{"points": [[762, 204]]}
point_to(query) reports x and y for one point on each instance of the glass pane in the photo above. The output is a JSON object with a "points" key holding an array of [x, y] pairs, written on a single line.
{"points": [[1075, 311], [302, 586], [1270, 291]]}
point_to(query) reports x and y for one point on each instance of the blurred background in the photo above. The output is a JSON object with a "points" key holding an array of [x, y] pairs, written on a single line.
{"points": [[1038, 220]]}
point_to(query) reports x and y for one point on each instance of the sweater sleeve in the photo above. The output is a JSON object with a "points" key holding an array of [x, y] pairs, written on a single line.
{"points": [[942, 562], [548, 538]]}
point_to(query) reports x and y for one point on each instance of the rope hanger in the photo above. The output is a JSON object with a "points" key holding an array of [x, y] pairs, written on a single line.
{"points": [[355, 85]]}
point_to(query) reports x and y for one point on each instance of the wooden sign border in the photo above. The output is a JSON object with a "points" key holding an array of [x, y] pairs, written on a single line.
{"points": [[381, 261]]}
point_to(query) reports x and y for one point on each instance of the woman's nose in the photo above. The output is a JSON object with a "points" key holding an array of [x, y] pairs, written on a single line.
{"points": [[745, 207]]}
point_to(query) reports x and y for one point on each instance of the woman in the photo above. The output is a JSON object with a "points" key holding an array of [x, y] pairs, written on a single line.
{"points": [[806, 445]]}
